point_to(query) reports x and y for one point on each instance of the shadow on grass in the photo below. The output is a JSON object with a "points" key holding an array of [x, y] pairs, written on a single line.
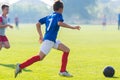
{"points": [[12, 66], [116, 77], [67, 77], [113, 77]]}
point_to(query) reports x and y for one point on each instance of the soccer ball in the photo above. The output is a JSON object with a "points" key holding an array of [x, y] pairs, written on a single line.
{"points": [[109, 71]]}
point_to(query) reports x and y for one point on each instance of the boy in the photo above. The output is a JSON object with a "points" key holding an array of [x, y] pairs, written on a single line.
{"points": [[53, 23], [17, 22], [118, 21], [104, 22], [3, 25]]}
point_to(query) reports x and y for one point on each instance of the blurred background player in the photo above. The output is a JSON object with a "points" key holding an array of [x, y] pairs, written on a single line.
{"points": [[16, 22], [104, 22], [119, 21], [53, 23], [3, 25]]}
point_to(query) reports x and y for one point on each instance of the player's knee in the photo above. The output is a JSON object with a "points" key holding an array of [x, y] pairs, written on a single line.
{"points": [[41, 58], [7, 47], [0, 47], [67, 50]]}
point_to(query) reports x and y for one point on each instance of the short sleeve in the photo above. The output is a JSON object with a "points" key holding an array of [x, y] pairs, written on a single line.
{"points": [[43, 20], [0, 19], [60, 18]]}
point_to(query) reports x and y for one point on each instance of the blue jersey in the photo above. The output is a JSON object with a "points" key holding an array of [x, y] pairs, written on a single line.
{"points": [[52, 27]]}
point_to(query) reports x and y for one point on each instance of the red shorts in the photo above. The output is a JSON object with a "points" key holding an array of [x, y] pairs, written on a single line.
{"points": [[3, 39]]}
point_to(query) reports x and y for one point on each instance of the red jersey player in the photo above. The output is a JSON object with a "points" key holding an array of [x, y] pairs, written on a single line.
{"points": [[3, 25]]}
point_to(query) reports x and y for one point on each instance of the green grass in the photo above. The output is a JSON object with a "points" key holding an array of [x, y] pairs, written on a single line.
{"points": [[91, 50]]}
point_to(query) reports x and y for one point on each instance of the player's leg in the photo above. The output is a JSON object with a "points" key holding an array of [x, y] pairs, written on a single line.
{"points": [[1, 42], [6, 43], [65, 55], [66, 50], [29, 62], [32, 60], [119, 25], [0, 45], [60, 46], [45, 49]]}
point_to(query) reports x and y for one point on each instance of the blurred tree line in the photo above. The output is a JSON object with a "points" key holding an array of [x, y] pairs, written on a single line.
{"points": [[29, 11], [75, 11]]}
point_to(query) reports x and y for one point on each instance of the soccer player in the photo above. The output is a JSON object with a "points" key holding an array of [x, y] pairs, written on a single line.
{"points": [[118, 21], [3, 25], [104, 22], [53, 22], [17, 22]]}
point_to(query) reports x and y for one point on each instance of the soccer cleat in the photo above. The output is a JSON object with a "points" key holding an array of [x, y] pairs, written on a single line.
{"points": [[65, 74], [17, 70]]}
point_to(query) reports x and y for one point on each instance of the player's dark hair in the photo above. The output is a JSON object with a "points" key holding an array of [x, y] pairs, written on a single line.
{"points": [[57, 5], [4, 6]]}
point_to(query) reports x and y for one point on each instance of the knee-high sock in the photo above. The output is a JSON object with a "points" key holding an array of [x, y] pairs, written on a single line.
{"points": [[30, 61], [64, 61]]}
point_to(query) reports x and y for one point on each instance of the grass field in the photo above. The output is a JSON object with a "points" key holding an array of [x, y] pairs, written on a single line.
{"points": [[91, 50]]}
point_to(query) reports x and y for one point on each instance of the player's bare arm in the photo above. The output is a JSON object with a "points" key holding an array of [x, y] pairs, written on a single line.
{"points": [[10, 26], [6, 25], [68, 26], [38, 26], [2, 26]]}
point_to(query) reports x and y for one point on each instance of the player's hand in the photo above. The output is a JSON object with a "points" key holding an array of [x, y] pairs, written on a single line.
{"points": [[77, 27], [40, 39], [10, 26]]}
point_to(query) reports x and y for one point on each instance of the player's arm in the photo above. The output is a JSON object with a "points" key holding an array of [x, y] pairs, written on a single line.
{"points": [[4, 26], [68, 26], [38, 26]]}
